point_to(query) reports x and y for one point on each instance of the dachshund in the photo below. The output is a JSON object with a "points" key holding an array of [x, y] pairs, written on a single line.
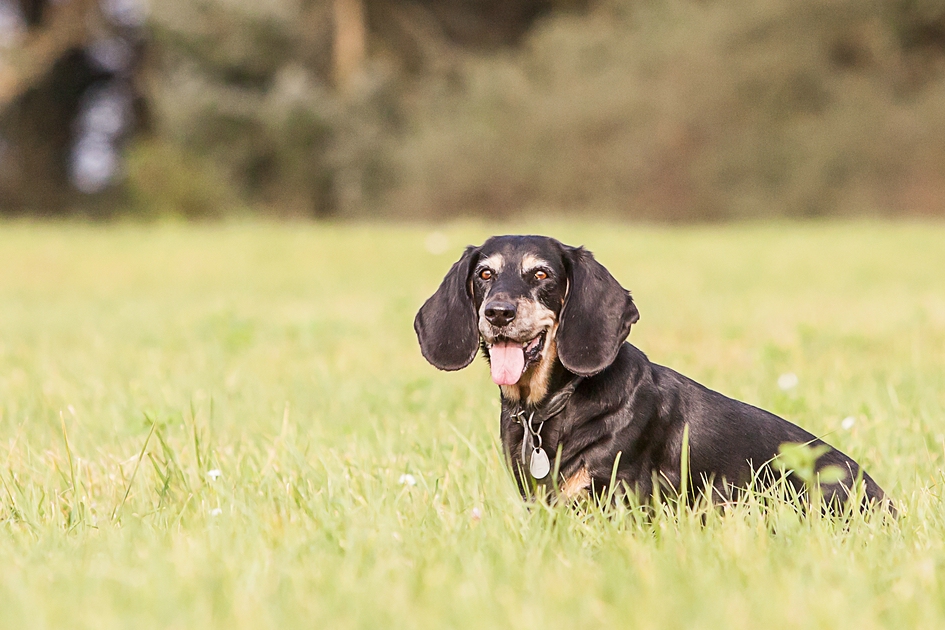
{"points": [[583, 409]]}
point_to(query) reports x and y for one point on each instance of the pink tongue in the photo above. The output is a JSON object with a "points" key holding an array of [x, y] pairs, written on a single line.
{"points": [[508, 362]]}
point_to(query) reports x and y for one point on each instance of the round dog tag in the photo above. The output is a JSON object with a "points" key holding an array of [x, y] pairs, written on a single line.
{"points": [[539, 466]]}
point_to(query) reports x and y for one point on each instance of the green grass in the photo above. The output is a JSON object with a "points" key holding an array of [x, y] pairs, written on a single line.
{"points": [[284, 357]]}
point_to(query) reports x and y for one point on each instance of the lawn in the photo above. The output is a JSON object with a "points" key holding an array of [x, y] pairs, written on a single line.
{"points": [[231, 426]]}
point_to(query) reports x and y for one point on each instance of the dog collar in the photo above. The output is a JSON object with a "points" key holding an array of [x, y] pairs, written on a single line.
{"points": [[538, 463]]}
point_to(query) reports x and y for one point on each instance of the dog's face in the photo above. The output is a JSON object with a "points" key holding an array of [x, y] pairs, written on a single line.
{"points": [[518, 288], [529, 301]]}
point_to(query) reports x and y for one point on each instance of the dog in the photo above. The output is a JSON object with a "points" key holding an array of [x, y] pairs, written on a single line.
{"points": [[583, 409]]}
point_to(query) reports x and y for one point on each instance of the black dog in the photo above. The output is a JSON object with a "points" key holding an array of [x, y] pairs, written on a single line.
{"points": [[553, 322]]}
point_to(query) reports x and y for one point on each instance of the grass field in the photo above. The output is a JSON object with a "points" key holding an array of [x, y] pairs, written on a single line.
{"points": [[231, 426]]}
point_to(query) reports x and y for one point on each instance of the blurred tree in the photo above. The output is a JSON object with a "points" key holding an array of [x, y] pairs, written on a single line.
{"points": [[350, 41], [68, 98], [252, 85]]}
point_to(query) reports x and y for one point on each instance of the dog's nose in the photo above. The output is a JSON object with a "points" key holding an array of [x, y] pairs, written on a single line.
{"points": [[500, 313]]}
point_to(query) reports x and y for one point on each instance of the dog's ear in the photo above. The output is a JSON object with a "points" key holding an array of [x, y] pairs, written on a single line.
{"points": [[596, 316], [446, 324]]}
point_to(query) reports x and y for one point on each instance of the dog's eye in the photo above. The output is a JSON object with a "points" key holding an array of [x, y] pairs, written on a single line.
{"points": [[540, 275], [486, 274]]}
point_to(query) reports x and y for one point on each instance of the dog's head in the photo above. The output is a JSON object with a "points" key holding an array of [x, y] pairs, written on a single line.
{"points": [[529, 300]]}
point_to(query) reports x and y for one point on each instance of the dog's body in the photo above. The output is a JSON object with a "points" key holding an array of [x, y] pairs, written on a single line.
{"points": [[553, 323]]}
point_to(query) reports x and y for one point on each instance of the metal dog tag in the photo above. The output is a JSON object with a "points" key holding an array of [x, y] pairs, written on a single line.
{"points": [[539, 466]]}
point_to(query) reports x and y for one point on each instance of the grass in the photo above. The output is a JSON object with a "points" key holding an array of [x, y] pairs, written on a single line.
{"points": [[134, 361]]}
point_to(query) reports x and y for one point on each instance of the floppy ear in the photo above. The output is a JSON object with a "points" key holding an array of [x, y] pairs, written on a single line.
{"points": [[446, 323], [596, 316]]}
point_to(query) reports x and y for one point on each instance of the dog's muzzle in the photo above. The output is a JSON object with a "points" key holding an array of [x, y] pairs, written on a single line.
{"points": [[509, 359]]}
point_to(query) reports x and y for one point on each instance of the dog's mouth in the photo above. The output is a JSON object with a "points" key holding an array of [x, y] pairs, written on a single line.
{"points": [[509, 359]]}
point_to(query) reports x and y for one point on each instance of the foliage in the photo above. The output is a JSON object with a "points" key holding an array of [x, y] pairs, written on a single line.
{"points": [[680, 110], [667, 109], [164, 181], [245, 86], [675, 110], [231, 426]]}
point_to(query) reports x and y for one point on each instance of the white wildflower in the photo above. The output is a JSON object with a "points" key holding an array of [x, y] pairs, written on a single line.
{"points": [[216, 512], [407, 479], [788, 381], [848, 423], [214, 474]]}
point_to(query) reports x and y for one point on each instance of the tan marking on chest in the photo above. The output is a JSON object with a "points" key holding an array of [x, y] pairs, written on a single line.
{"points": [[537, 384], [576, 484], [510, 392]]}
